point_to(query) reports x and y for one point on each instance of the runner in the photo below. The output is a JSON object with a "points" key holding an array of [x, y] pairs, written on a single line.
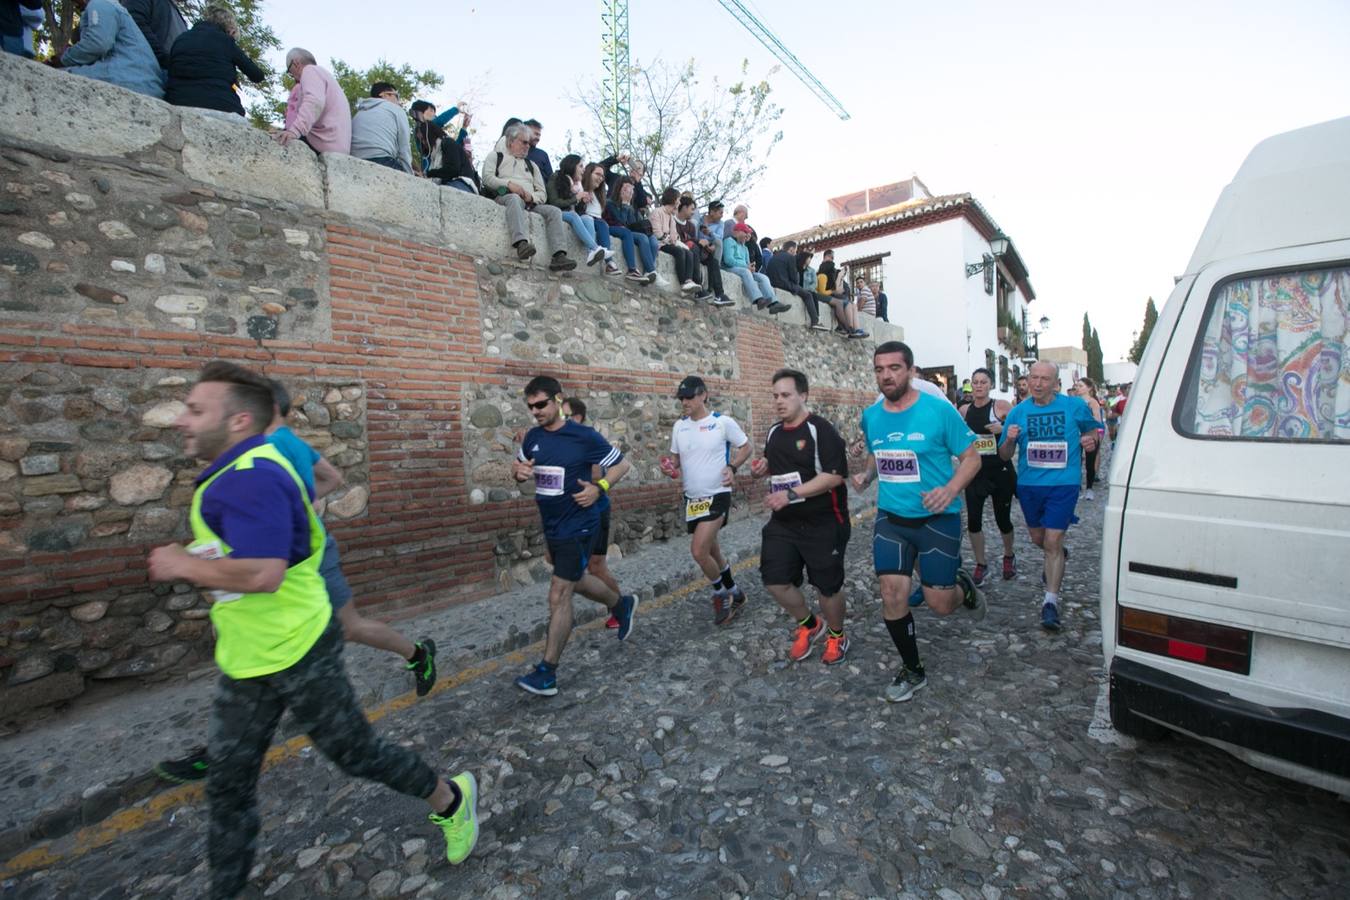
{"points": [[701, 447], [256, 551], [321, 478], [1048, 464], [559, 455], [598, 565], [807, 463], [1021, 392], [996, 479], [911, 439], [1085, 389]]}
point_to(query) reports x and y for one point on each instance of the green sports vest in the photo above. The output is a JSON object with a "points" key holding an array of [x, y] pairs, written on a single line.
{"points": [[259, 634]]}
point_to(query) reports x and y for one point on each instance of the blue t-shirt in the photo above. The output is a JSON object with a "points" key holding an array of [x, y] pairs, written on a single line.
{"points": [[561, 459], [1047, 448], [914, 451], [300, 455], [258, 512]]}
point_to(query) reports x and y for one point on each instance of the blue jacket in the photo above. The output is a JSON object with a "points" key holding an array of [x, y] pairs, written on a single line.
{"points": [[112, 49], [735, 255]]}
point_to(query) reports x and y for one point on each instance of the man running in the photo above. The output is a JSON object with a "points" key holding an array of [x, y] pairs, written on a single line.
{"points": [[559, 455], [911, 439], [706, 449], [1040, 433], [256, 551], [996, 479], [598, 565], [321, 478], [807, 462]]}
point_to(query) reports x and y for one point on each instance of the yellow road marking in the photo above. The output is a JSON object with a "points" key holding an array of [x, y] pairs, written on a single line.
{"points": [[151, 810]]}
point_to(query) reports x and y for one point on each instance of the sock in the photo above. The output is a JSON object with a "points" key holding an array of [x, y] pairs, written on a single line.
{"points": [[419, 655], [455, 801], [809, 621], [832, 633], [716, 584], [1052, 599], [902, 633], [727, 581], [548, 666]]}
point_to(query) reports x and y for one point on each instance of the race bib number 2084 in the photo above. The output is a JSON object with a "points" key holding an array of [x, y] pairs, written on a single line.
{"points": [[897, 466]]}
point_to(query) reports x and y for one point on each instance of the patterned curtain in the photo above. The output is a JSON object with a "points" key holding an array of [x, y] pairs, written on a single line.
{"points": [[1274, 361]]}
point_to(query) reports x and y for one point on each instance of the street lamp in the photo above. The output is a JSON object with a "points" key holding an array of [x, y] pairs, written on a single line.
{"points": [[998, 245], [1033, 337]]}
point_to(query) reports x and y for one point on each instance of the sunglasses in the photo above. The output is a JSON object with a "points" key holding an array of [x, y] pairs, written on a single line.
{"points": [[538, 406]]}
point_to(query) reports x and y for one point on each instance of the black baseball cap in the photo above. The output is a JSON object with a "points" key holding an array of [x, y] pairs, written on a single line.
{"points": [[690, 387]]}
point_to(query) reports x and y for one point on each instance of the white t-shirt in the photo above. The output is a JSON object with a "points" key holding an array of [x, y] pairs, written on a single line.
{"points": [[704, 448]]}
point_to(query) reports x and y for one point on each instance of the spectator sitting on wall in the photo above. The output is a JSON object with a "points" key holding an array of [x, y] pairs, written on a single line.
{"points": [[316, 111], [429, 128], [867, 301], [882, 301], [708, 244], [519, 186], [739, 214], [537, 156], [688, 232], [112, 49], [831, 285], [593, 206], [765, 253], [663, 227], [205, 63], [806, 270], [161, 23], [628, 225], [565, 191], [16, 19], [736, 260], [635, 171], [380, 132]]}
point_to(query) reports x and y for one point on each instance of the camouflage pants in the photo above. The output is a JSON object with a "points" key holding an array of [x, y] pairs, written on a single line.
{"points": [[244, 717]]}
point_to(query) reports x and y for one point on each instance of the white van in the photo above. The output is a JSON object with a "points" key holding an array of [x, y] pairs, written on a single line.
{"points": [[1226, 549]]}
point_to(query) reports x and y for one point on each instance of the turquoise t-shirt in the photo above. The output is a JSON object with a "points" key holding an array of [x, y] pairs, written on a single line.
{"points": [[1048, 452], [914, 451], [300, 455]]}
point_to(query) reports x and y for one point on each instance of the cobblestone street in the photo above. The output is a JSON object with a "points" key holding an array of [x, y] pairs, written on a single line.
{"points": [[694, 762]]}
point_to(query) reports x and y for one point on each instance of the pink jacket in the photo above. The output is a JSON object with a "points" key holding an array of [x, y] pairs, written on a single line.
{"points": [[317, 110]]}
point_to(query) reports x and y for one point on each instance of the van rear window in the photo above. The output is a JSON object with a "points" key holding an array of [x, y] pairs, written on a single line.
{"points": [[1273, 360]]}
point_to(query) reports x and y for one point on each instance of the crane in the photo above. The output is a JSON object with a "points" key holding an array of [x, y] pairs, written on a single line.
{"points": [[617, 85]]}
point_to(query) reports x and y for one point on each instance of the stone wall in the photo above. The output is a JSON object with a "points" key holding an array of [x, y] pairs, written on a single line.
{"points": [[150, 240]]}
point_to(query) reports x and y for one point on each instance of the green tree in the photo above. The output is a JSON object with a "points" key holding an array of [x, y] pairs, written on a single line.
{"points": [[1150, 319], [410, 83], [711, 139], [1096, 361]]}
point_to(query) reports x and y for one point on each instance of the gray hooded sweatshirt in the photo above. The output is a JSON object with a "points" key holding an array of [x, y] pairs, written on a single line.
{"points": [[381, 128]]}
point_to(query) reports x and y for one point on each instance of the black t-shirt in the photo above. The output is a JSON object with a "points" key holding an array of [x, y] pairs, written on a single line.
{"points": [[796, 455]]}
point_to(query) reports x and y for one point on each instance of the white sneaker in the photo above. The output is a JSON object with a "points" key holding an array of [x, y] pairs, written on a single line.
{"points": [[595, 256], [661, 282], [689, 286], [609, 256], [1088, 495]]}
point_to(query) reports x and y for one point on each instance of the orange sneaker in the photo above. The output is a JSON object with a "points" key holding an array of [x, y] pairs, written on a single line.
{"points": [[611, 622], [836, 648], [803, 639]]}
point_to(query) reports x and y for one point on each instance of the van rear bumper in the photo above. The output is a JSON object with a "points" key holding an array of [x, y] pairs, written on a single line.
{"points": [[1306, 737]]}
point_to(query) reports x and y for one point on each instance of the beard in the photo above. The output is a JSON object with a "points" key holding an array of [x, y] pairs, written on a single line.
{"points": [[208, 443], [895, 393]]}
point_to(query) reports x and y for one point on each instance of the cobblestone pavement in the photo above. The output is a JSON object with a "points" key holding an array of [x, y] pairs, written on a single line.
{"points": [[693, 762]]}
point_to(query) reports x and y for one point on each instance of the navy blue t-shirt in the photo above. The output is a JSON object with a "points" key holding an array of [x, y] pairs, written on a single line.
{"points": [[258, 512], [561, 459]]}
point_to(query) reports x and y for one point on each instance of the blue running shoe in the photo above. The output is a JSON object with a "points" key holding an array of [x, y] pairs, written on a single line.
{"points": [[916, 598], [626, 612], [543, 680], [1050, 617]]}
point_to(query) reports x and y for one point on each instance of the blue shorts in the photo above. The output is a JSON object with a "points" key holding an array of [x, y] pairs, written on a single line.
{"points": [[1048, 506], [330, 569], [570, 556], [934, 542]]}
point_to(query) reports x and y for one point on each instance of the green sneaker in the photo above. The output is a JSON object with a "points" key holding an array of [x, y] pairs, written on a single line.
{"points": [[461, 829], [424, 673], [193, 767]]}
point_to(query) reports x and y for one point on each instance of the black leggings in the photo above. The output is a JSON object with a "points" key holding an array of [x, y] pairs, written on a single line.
{"points": [[686, 264], [1002, 487], [1090, 461]]}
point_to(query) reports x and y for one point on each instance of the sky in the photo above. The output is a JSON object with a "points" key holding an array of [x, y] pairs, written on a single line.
{"points": [[1097, 137]]}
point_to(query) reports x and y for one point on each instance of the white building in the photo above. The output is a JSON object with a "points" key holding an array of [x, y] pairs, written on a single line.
{"points": [[1072, 363], [1122, 372], [953, 281]]}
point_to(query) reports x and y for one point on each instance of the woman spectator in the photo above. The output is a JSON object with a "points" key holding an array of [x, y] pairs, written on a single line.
{"points": [[429, 130], [566, 193], [205, 62], [806, 270], [663, 229], [593, 207], [627, 223], [455, 168], [1086, 389], [736, 260]]}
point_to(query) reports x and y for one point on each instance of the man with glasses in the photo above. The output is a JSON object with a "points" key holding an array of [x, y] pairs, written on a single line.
{"points": [[558, 455], [518, 185], [380, 130], [316, 111]]}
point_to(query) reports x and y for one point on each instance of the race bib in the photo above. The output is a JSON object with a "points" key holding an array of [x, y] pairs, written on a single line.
{"points": [[897, 466], [697, 508], [986, 445], [548, 481], [211, 550], [778, 483], [1047, 454]]}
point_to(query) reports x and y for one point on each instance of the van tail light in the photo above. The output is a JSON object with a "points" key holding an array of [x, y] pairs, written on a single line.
{"points": [[1216, 646]]}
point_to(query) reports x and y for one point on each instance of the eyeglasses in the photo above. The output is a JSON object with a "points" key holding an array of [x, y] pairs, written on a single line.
{"points": [[538, 406]]}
